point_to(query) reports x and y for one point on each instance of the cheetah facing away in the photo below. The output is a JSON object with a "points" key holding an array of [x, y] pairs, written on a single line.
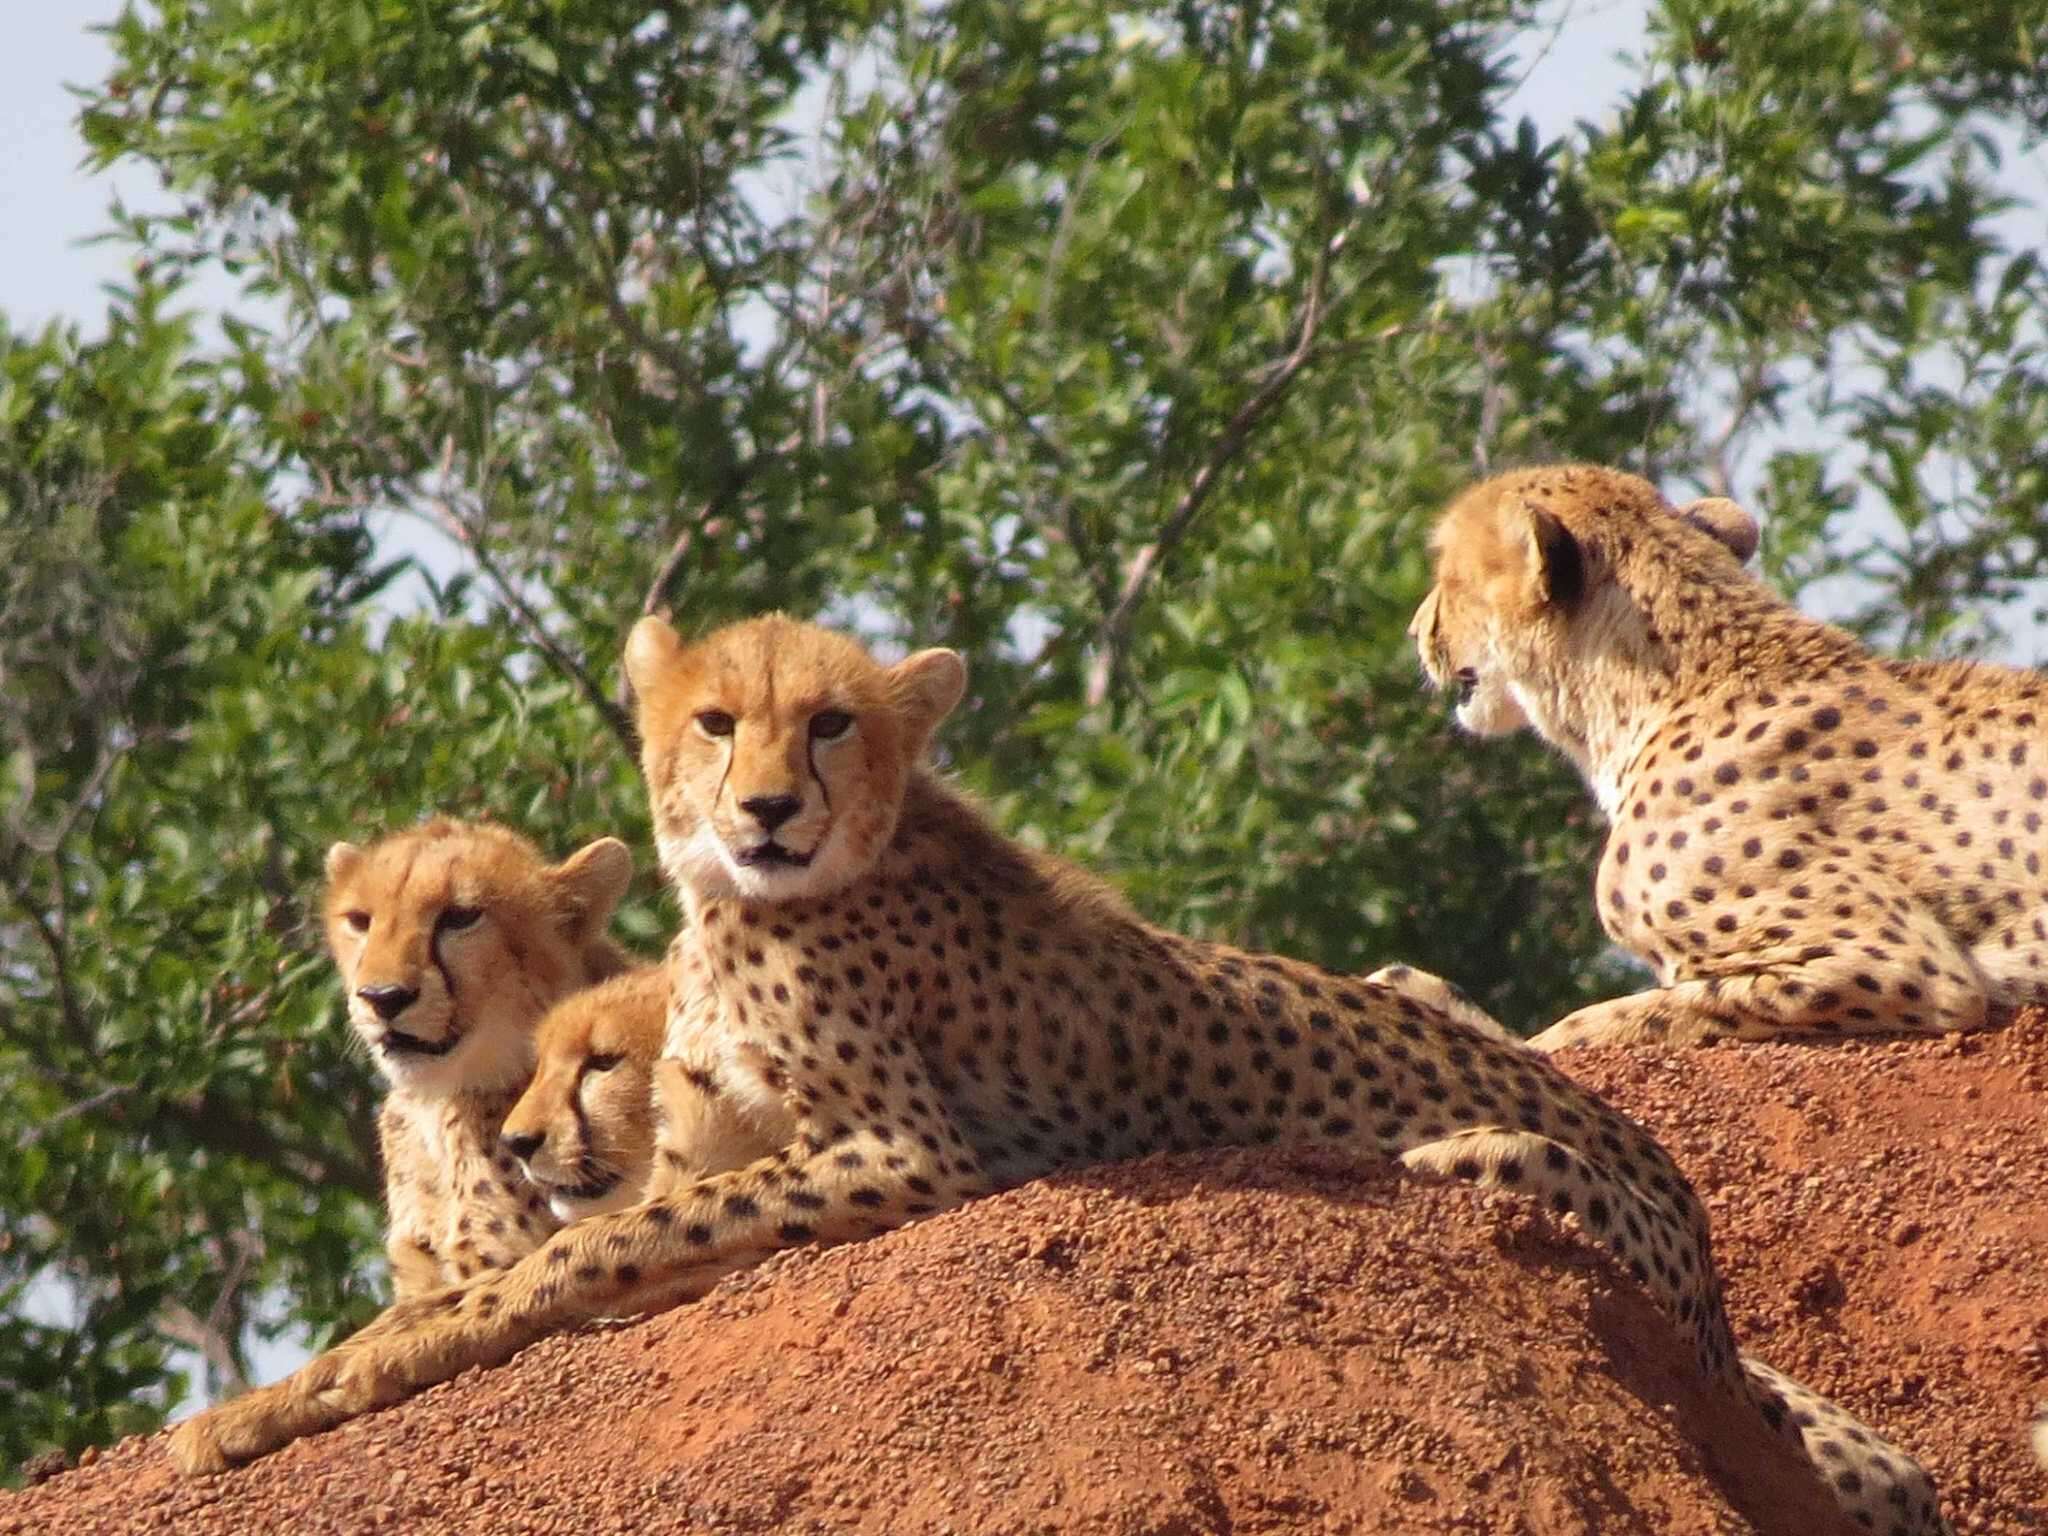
{"points": [[1807, 840], [949, 1014], [452, 939]]}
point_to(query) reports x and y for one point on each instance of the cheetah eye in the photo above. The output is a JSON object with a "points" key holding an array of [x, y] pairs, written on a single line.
{"points": [[603, 1061], [359, 921], [455, 919], [830, 724], [715, 722]]}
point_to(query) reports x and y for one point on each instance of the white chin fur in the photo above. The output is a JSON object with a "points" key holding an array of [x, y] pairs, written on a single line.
{"points": [[567, 1210], [488, 1057], [1491, 711], [701, 863]]}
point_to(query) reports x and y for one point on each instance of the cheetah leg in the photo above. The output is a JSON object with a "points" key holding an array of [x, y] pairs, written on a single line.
{"points": [[2011, 956], [646, 1258], [705, 1128], [1826, 990], [1445, 998], [1661, 1237]]}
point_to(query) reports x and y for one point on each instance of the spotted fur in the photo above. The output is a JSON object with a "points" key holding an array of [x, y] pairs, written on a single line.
{"points": [[1808, 840], [452, 939], [948, 1013]]}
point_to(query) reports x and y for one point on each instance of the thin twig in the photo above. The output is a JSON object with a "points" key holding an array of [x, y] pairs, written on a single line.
{"points": [[60, 970], [1116, 626], [720, 503], [1749, 392], [616, 720], [84, 1106], [470, 533]]}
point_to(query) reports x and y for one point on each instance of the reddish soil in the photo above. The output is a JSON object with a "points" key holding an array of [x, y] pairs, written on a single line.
{"points": [[1269, 1342], [1881, 1214]]}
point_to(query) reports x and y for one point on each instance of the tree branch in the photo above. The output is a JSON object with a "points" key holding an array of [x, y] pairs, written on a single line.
{"points": [[220, 1127], [470, 534], [721, 501], [1116, 626]]}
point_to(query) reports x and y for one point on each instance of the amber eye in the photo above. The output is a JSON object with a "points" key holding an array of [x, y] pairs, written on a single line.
{"points": [[715, 722], [830, 724], [359, 921], [602, 1062], [455, 919]]}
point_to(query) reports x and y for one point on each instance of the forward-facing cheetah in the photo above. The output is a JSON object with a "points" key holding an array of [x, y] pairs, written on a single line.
{"points": [[1808, 840], [452, 939], [948, 1014]]}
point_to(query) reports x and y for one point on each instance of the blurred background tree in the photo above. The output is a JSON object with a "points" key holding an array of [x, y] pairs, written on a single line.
{"points": [[1129, 349]]}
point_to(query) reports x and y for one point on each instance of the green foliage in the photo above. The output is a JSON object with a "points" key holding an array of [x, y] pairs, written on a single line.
{"points": [[1128, 349]]}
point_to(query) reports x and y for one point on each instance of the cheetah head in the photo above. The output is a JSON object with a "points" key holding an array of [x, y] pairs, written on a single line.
{"points": [[777, 754], [585, 1127], [1524, 582], [453, 938]]}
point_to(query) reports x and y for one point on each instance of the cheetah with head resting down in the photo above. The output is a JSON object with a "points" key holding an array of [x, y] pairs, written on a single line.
{"points": [[1808, 840], [452, 939], [631, 1094], [949, 1014]]}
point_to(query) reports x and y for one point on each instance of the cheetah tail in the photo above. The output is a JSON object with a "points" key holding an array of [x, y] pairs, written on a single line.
{"points": [[1878, 1485]]}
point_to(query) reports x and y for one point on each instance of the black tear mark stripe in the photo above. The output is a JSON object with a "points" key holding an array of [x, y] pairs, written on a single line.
{"points": [[817, 778], [725, 771], [455, 1029]]}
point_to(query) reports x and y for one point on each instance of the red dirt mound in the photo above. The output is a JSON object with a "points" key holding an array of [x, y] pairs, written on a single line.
{"points": [[1881, 1214], [1270, 1342], [1236, 1342]]}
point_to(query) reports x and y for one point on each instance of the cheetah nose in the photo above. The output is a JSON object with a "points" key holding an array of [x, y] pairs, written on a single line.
{"points": [[771, 810], [389, 1000], [522, 1145]]}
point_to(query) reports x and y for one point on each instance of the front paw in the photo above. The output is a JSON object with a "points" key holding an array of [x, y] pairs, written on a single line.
{"points": [[195, 1447], [251, 1425]]}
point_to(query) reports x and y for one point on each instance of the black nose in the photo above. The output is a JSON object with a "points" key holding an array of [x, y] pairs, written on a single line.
{"points": [[771, 810], [389, 1001], [521, 1147]]}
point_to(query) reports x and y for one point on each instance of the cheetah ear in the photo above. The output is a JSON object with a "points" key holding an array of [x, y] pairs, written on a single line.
{"points": [[1557, 561], [587, 885], [651, 649], [926, 687], [1726, 522], [342, 860]]}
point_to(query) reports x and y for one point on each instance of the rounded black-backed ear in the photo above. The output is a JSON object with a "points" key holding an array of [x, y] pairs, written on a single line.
{"points": [[1557, 562], [651, 649], [1726, 523], [588, 885], [927, 686], [342, 860]]}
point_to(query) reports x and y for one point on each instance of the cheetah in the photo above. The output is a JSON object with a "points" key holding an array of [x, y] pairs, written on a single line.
{"points": [[1807, 840], [949, 1014], [719, 1099], [617, 1094], [452, 938]]}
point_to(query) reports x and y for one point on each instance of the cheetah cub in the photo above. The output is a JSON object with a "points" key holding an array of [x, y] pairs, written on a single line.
{"points": [[947, 1013], [452, 938], [619, 1099], [1808, 840]]}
